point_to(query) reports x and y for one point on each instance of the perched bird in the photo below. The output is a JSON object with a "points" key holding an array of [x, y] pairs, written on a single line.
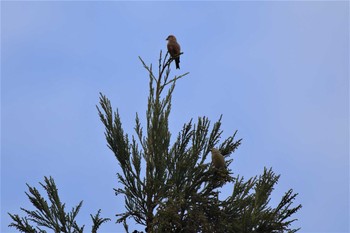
{"points": [[174, 50], [217, 159]]}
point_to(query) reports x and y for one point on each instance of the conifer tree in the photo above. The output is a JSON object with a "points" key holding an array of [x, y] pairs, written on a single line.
{"points": [[53, 216], [178, 189]]}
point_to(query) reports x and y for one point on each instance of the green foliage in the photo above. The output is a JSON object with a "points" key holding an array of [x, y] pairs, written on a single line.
{"points": [[51, 216], [178, 189], [247, 209]]}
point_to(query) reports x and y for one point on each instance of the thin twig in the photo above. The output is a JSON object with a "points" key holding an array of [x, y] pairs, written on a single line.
{"points": [[176, 78]]}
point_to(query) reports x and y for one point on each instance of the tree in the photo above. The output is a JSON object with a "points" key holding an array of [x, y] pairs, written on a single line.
{"points": [[178, 189], [53, 217]]}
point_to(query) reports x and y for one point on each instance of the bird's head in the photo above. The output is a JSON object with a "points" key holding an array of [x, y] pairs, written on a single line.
{"points": [[213, 150], [171, 38]]}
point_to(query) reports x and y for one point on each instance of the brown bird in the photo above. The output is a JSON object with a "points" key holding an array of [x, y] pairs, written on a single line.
{"points": [[217, 159], [174, 50]]}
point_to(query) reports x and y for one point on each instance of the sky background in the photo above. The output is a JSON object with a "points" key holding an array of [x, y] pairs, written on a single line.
{"points": [[277, 71]]}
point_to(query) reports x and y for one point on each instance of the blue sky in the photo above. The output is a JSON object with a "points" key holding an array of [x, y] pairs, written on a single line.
{"points": [[277, 71]]}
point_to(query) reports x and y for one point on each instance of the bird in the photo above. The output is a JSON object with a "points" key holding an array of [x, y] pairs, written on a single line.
{"points": [[217, 159], [174, 49]]}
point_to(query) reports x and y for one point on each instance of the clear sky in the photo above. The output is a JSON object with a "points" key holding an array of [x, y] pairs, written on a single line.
{"points": [[277, 71]]}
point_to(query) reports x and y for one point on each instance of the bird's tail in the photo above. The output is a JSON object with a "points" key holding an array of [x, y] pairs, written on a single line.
{"points": [[177, 62]]}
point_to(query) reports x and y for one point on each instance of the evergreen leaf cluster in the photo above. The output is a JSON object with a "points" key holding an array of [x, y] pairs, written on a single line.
{"points": [[169, 184]]}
